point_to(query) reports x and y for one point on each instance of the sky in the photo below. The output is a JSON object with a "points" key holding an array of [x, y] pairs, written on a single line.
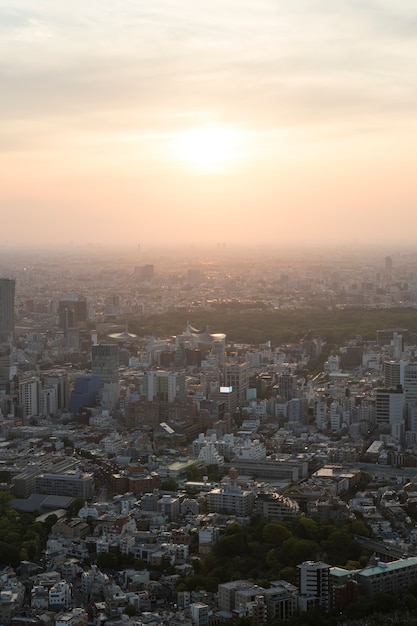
{"points": [[165, 122]]}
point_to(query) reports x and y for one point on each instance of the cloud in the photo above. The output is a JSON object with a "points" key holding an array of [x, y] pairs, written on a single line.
{"points": [[108, 66]]}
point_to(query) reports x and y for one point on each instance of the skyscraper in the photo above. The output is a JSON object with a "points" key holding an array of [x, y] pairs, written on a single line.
{"points": [[236, 375], [7, 291], [105, 366], [105, 363]]}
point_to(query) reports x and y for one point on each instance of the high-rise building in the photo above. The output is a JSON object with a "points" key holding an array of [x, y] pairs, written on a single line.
{"points": [[84, 393], [59, 381], [410, 384], [105, 365], [164, 386], [236, 375], [389, 407], [7, 294], [313, 585], [72, 313], [287, 386], [394, 373], [29, 389], [105, 362]]}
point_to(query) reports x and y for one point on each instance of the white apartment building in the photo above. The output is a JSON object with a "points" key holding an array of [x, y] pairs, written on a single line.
{"points": [[60, 596], [313, 585], [29, 397]]}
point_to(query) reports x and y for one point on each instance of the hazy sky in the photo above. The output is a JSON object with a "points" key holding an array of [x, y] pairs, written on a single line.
{"points": [[165, 121]]}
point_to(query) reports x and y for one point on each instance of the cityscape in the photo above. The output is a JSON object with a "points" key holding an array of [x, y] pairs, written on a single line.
{"points": [[208, 313], [144, 454]]}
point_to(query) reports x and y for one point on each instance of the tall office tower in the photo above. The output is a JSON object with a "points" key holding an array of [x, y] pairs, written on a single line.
{"points": [[389, 407], [321, 414], [7, 371], [105, 362], [105, 365], [84, 393], [7, 293], [29, 390], [287, 386], [392, 376], [410, 385], [72, 314], [393, 373], [313, 585], [236, 375], [58, 380]]}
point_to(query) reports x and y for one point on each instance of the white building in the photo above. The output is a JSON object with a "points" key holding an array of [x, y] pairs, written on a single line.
{"points": [[251, 450], [60, 596], [199, 613], [208, 455], [164, 386], [313, 585], [48, 401], [29, 397]]}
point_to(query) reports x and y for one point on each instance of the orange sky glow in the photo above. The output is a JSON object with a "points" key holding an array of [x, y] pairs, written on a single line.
{"points": [[267, 122]]}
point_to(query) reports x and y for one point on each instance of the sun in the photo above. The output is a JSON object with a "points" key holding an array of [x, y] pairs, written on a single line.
{"points": [[209, 148]]}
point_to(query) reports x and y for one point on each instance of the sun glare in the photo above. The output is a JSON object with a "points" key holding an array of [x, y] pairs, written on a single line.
{"points": [[209, 148]]}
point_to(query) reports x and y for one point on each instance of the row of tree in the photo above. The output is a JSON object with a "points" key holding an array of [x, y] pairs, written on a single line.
{"points": [[281, 326], [265, 551], [21, 536]]}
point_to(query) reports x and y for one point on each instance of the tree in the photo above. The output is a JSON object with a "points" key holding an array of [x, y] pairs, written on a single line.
{"points": [[275, 534], [295, 550], [289, 574], [75, 506], [169, 485], [50, 521], [5, 499], [306, 528], [131, 610]]}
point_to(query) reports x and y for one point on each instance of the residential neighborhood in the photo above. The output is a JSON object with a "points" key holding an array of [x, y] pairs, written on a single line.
{"points": [[147, 459]]}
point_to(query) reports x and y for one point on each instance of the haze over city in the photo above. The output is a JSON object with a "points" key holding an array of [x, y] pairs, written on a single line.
{"points": [[197, 123]]}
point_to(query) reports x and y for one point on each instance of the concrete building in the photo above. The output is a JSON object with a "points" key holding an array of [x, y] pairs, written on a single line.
{"points": [[389, 407], [7, 297], [394, 577], [276, 507], [84, 393], [410, 384], [72, 483], [231, 497], [59, 381], [60, 596], [105, 362], [236, 376], [227, 593], [29, 389], [164, 386], [105, 365], [313, 585], [199, 613], [72, 313], [281, 600]]}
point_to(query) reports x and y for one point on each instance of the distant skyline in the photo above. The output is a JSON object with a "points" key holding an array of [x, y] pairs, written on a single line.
{"points": [[192, 123]]}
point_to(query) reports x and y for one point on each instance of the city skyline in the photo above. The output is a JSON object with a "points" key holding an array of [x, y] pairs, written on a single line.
{"points": [[177, 124]]}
